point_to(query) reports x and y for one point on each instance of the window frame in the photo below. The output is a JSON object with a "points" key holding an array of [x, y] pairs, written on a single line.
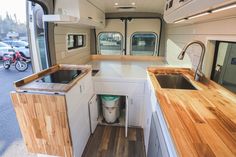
{"points": [[75, 43], [155, 53], [122, 42]]}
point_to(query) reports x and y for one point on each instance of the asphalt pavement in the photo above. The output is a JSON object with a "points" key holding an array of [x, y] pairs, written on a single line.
{"points": [[11, 142]]}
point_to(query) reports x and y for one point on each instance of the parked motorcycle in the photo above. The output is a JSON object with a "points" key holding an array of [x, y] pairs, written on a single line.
{"points": [[16, 59]]}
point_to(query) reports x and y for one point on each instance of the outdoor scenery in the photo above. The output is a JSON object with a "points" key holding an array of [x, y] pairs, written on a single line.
{"points": [[15, 63]]}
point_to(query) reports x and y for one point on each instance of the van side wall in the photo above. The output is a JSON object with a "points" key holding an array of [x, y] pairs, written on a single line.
{"points": [[178, 36], [75, 56]]}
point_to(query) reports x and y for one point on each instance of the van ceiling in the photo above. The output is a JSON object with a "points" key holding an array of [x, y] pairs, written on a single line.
{"points": [[109, 6]]}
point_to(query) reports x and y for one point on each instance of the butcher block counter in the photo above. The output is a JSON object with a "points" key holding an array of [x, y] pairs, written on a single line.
{"points": [[50, 115], [201, 122]]}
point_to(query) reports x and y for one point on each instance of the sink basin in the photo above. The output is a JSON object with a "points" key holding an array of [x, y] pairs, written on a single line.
{"points": [[174, 81]]}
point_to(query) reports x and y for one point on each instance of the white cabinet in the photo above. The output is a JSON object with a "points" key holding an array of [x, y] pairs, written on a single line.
{"points": [[91, 15], [164, 138], [135, 104], [93, 113], [154, 144], [78, 114], [80, 12], [134, 92], [179, 9], [147, 115]]}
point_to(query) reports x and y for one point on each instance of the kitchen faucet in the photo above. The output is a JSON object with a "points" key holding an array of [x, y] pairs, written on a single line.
{"points": [[198, 73]]}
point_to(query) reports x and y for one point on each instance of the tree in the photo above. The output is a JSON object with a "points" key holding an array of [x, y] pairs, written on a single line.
{"points": [[9, 24]]}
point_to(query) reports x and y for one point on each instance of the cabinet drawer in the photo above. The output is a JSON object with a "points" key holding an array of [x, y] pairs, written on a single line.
{"points": [[119, 88]]}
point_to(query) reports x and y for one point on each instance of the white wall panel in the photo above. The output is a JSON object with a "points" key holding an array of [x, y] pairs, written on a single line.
{"points": [[178, 36], [76, 56]]}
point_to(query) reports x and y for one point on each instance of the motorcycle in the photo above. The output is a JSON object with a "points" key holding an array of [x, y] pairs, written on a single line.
{"points": [[16, 59]]}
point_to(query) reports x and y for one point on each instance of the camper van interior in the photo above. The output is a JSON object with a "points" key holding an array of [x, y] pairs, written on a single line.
{"points": [[129, 78]]}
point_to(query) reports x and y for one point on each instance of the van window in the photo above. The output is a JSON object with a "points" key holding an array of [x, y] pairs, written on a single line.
{"points": [[110, 43], [143, 44], [75, 41]]}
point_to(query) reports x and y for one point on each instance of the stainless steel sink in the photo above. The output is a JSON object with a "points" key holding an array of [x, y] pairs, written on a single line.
{"points": [[174, 81]]}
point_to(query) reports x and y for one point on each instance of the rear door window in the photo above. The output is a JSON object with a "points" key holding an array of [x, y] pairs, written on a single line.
{"points": [[110, 43], [143, 44]]}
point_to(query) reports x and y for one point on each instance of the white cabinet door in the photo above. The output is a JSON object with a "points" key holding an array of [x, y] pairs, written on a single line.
{"points": [[147, 107], [83, 131], [135, 115], [90, 15], [126, 115], [78, 113], [93, 112], [163, 146]]}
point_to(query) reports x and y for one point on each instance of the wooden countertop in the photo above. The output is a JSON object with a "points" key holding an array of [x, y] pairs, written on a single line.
{"points": [[30, 83], [201, 122]]}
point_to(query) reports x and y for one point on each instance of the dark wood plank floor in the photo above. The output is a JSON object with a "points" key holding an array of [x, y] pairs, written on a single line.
{"points": [[110, 141]]}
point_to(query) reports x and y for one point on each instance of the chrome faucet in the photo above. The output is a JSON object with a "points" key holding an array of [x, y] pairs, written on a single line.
{"points": [[198, 73]]}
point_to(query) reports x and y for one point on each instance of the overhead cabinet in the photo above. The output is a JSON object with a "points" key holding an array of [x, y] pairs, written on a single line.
{"points": [[79, 12], [180, 9]]}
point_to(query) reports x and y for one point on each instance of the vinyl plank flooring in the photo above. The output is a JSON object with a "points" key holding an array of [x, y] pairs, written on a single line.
{"points": [[109, 141]]}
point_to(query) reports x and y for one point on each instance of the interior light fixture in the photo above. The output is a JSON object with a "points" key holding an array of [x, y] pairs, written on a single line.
{"points": [[199, 15], [208, 12], [224, 8], [116, 3], [179, 21], [133, 3]]}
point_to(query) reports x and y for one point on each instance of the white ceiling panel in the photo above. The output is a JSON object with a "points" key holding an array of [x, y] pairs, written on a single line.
{"points": [[109, 6]]}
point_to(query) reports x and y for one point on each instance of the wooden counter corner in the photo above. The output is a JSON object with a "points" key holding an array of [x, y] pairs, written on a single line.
{"points": [[201, 122]]}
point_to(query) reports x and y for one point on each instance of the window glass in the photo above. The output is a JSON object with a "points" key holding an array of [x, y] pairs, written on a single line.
{"points": [[70, 41], [19, 44], [3, 45], [75, 41], [80, 40], [224, 65], [110, 43], [143, 44]]}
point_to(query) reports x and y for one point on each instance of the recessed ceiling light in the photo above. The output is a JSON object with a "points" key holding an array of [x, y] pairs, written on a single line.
{"points": [[133, 3], [224, 8], [116, 3]]}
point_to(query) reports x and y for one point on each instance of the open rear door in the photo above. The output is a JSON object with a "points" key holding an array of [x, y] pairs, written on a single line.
{"points": [[39, 33]]}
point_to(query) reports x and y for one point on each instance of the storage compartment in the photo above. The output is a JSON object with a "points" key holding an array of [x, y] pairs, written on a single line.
{"points": [[79, 12], [112, 110], [178, 10]]}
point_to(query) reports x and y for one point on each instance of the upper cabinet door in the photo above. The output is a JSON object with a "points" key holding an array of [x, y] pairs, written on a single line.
{"points": [[79, 12], [187, 11]]}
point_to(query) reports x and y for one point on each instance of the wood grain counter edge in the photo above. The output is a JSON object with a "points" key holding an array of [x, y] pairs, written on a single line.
{"points": [[201, 122], [28, 83]]}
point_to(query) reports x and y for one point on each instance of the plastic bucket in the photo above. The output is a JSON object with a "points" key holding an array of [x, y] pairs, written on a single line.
{"points": [[111, 108]]}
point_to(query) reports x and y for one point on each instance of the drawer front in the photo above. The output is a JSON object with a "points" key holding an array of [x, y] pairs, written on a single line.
{"points": [[120, 88]]}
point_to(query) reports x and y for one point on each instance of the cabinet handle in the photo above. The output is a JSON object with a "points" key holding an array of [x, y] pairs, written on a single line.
{"points": [[90, 18]]}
